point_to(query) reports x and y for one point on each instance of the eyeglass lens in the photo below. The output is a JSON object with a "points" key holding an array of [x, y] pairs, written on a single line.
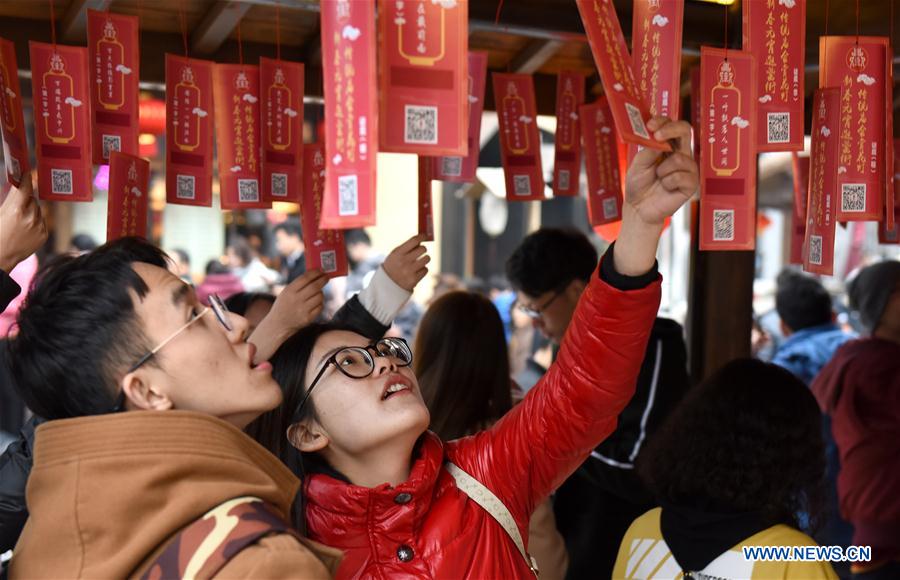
{"points": [[221, 311]]}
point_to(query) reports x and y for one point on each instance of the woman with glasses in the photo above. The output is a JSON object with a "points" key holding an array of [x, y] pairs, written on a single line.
{"points": [[400, 502]]}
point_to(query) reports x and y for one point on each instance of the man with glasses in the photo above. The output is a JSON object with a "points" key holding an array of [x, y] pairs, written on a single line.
{"points": [[594, 507]]}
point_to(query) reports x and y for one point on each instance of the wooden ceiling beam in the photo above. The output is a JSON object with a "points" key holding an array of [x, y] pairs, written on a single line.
{"points": [[217, 25], [73, 27], [535, 54]]}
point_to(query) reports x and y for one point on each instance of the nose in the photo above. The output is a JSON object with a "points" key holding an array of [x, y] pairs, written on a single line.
{"points": [[384, 365], [240, 328]]}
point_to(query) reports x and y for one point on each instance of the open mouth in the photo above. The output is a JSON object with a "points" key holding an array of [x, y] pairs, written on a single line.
{"points": [[394, 387]]}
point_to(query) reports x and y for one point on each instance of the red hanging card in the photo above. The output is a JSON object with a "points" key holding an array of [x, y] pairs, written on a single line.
{"points": [[114, 64], [281, 114], [325, 249], [775, 31], [889, 186], [12, 120], [818, 245], [189, 115], [860, 72], [614, 63], [423, 76], [601, 159], [462, 169], [129, 186], [426, 213], [567, 151], [798, 213], [728, 169], [236, 91], [62, 121], [520, 139], [696, 111], [656, 56], [351, 113], [889, 231]]}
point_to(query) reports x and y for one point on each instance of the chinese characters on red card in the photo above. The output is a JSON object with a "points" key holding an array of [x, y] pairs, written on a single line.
{"points": [[281, 113], [454, 167], [129, 179], [818, 244], [12, 120], [567, 152], [602, 163], [520, 139], [325, 249]]}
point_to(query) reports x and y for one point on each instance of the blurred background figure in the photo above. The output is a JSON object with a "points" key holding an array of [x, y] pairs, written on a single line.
{"points": [[181, 264], [219, 280], [364, 260], [254, 306], [81, 244], [246, 265], [289, 242]]}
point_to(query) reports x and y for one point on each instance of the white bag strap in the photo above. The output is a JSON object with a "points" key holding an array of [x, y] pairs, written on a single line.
{"points": [[490, 503]]}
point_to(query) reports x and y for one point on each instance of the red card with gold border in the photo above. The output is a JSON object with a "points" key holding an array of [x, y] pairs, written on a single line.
{"points": [[461, 169], [614, 63], [351, 113], [601, 160], [62, 121], [114, 70], [236, 92], [281, 115], [325, 249], [189, 118], [800, 166], [567, 149], [520, 139], [426, 212], [12, 119], [775, 31], [129, 187], [424, 67], [818, 244], [728, 144]]}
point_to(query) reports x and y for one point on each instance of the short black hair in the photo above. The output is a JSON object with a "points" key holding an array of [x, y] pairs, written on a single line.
{"points": [[357, 236], [83, 243], [550, 258], [241, 302], [801, 301], [290, 228], [183, 256], [242, 250], [216, 267], [78, 330]]}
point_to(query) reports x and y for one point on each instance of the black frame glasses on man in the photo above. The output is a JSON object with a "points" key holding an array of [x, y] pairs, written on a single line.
{"points": [[537, 312]]}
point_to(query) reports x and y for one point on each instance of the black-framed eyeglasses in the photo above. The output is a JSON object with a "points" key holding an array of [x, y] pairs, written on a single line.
{"points": [[357, 362], [536, 312], [216, 305]]}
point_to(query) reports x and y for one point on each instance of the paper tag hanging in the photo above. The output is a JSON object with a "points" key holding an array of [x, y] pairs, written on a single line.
{"points": [[325, 249], [114, 72], [237, 95], [189, 115], [800, 165], [859, 70], [426, 213], [890, 193], [423, 60], [775, 31], [614, 63], [520, 138], [696, 111], [818, 244], [728, 169], [601, 159], [889, 232], [12, 119], [129, 192], [62, 121], [351, 113], [567, 150], [281, 115], [455, 168]]}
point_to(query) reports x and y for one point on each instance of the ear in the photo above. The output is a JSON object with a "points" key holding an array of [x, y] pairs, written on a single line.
{"points": [[140, 394], [307, 438], [575, 289]]}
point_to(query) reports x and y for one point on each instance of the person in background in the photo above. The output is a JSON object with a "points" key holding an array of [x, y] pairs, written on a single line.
{"points": [[254, 306], [181, 264], [219, 280], [289, 242], [550, 270], [446, 282], [463, 371], [364, 260], [503, 297], [81, 244], [731, 467], [859, 389], [246, 265]]}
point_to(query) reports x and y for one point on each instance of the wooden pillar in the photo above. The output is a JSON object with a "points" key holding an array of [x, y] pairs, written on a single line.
{"points": [[720, 310]]}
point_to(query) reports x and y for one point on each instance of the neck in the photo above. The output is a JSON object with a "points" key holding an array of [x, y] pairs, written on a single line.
{"points": [[387, 463], [885, 333]]}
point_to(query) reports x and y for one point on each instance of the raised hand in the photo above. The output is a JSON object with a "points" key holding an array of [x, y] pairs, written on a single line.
{"points": [[407, 264], [22, 227]]}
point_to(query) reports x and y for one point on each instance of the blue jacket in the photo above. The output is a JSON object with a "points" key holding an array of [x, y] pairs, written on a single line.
{"points": [[805, 352]]}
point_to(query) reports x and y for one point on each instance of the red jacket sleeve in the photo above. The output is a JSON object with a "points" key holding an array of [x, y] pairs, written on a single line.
{"points": [[537, 445]]}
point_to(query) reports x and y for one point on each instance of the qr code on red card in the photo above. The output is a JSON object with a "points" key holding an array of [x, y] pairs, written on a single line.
{"points": [[778, 127], [565, 180], [451, 166], [723, 225], [521, 185], [421, 125], [815, 250], [610, 208], [184, 187], [248, 190], [853, 197], [329, 261], [61, 182], [279, 184], [13, 168], [348, 195], [111, 143], [637, 122]]}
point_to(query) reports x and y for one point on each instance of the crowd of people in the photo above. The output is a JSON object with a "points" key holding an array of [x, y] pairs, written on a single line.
{"points": [[266, 423]]}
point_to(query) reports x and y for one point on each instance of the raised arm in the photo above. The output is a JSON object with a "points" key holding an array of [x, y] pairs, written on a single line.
{"points": [[22, 232]]}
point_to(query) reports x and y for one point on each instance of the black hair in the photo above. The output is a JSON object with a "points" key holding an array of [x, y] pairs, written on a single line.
{"points": [[241, 302], [83, 243], [183, 256], [748, 439], [242, 250], [549, 259], [78, 330], [802, 301], [216, 267], [357, 236], [290, 228]]}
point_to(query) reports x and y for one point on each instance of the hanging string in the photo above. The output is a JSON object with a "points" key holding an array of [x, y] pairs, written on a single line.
{"points": [[53, 25], [278, 30], [497, 16], [857, 22], [184, 37], [240, 44]]}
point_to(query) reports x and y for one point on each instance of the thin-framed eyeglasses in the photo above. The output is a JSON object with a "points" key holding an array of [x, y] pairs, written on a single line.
{"points": [[357, 362], [537, 312]]}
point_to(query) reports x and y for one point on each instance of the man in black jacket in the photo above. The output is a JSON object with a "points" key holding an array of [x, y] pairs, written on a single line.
{"points": [[595, 506]]}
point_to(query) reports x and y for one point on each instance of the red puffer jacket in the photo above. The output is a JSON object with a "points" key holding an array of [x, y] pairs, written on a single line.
{"points": [[426, 527]]}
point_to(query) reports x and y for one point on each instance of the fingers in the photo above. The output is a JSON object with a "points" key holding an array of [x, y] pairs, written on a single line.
{"points": [[680, 181], [676, 162], [664, 129], [409, 244]]}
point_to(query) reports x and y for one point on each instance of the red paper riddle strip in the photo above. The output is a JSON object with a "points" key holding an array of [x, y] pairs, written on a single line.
{"points": [[12, 119], [889, 232], [818, 244], [800, 164], [281, 113], [567, 149], [455, 168], [129, 187], [520, 139], [325, 249], [426, 213], [602, 163]]}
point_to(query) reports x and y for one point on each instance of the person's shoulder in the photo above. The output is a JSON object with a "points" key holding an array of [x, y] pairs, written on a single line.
{"points": [[282, 556], [779, 535], [646, 525]]}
